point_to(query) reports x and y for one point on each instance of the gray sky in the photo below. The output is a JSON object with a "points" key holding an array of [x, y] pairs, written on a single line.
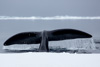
{"points": [[50, 8]]}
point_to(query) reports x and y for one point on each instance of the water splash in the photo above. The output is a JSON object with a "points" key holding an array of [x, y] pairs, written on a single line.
{"points": [[73, 44], [21, 47], [64, 45]]}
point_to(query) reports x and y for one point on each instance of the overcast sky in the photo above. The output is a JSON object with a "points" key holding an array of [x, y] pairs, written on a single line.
{"points": [[50, 7], [27, 8]]}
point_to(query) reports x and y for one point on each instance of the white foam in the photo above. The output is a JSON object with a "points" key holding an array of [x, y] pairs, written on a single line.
{"points": [[74, 44]]}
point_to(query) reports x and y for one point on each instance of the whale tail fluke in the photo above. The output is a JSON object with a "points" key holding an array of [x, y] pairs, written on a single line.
{"points": [[37, 40]]}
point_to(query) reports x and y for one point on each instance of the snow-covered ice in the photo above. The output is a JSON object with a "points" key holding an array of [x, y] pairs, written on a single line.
{"points": [[49, 60]]}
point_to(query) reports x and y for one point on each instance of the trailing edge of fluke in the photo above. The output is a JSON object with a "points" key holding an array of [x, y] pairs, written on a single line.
{"points": [[42, 38]]}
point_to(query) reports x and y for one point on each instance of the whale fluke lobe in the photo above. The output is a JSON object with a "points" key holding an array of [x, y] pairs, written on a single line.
{"points": [[24, 38], [43, 38], [63, 34]]}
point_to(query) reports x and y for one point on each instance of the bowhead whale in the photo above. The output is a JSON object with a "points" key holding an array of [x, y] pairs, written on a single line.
{"points": [[44, 37]]}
